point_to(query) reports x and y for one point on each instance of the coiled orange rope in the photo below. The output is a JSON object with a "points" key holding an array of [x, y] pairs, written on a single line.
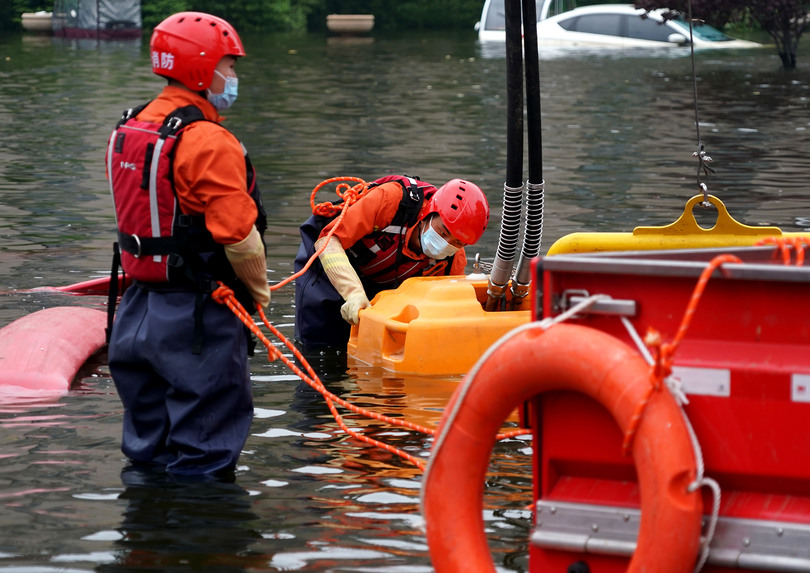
{"points": [[349, 194], [783, 245], [225, 295]]}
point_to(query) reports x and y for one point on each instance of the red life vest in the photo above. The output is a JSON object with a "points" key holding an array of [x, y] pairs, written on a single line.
{"points": [[158, 243], [378, 257], [317, 304]]}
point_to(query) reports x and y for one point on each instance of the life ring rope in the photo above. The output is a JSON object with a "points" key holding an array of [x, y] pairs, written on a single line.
{"points": [[661, 359], [347, 193], [659, 356], [560, 357], [701, 480]]}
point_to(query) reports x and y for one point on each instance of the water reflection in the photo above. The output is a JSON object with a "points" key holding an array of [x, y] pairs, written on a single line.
{"points": [[174, 525], [417, 399], [617, 137]]}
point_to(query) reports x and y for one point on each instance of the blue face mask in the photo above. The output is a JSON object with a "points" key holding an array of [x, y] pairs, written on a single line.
{"points": [[434, 245], [228, 96]]}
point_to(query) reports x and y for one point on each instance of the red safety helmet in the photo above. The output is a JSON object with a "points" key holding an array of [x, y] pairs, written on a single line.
{"points": [[187, 47], [463, 208]]}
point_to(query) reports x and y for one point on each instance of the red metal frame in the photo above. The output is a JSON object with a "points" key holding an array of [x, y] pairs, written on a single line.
{"points": [[753, 325]]}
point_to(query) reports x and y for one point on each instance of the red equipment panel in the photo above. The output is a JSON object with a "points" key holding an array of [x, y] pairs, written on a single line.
{"points": [[744, 365]]}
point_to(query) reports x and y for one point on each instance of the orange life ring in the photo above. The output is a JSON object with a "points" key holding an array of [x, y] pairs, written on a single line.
{"points": [[527, 362]]}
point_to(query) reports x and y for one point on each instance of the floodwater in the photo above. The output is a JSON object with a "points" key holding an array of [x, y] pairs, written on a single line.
{"points": [[618, 136]]}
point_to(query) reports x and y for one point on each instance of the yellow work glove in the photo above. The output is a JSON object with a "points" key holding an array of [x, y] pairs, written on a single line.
{"points": [[350, 311], [344, 278], [247, 259]]}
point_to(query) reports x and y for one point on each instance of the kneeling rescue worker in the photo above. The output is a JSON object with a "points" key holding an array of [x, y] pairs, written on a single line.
{"points": [[188, 214], [399, 228]]}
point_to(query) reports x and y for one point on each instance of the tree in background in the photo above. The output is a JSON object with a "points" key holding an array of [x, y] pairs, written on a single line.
{"points": [[310, 15], [153, 12], [783, 20], [412, 14], [245, 15], [289, 15]]}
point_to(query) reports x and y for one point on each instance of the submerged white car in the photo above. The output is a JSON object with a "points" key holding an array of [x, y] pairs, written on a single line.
{"points": [[608, 26]]}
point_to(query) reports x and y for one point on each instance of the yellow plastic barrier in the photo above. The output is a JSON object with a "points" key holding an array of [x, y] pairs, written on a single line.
{"points": [[685, 233]]}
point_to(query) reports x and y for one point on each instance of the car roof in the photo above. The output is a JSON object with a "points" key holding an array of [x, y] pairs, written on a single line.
{"points": [[703, 35], [555, 31]]}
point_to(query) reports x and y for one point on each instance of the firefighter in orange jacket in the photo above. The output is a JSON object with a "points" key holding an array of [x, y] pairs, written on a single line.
{"points": [[189, 215], [401, 227]]}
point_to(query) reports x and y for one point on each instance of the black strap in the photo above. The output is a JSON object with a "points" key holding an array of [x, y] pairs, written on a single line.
{"points": [[179, 119], [113, 290], [130, 113], [180, 242], [411, 204], [147, 246]]}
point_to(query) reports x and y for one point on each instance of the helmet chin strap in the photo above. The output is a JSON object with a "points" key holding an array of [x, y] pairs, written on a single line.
{"points": [[416, 237]]}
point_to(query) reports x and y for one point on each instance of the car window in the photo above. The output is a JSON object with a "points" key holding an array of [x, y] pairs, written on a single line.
{"points": [[702, 31], [495, 18], [610, 24], [556, 7], [648, 29]]}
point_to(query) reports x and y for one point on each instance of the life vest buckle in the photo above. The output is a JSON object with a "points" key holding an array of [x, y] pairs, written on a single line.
{"points": [[137, 254], [174, 123], [175, 260]]}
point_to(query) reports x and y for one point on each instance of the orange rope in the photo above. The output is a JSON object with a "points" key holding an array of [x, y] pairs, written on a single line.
{"points": [[783, 245], [664, 352], [225, 295], [349, 195]]}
